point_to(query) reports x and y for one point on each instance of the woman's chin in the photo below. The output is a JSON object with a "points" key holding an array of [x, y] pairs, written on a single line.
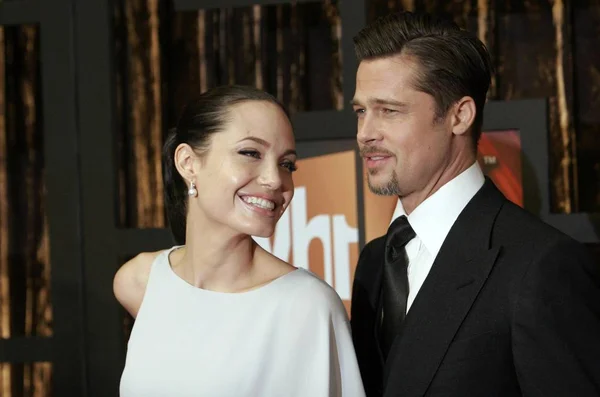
{"points": [[256, 229], [262, 232]]}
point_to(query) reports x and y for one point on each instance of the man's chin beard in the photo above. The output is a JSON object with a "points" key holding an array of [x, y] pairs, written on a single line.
{"points": [[390, 188]]}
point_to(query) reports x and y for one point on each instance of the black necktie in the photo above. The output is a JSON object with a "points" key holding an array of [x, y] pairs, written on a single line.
{"points": [[395, 281]]}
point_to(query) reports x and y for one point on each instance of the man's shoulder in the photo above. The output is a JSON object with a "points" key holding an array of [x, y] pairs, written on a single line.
{"points": [[517, 223], [374, 245], [368, 263], [523, 235]]}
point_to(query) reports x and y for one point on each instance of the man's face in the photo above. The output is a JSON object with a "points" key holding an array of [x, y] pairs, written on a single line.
{"points": [[403, 143]]}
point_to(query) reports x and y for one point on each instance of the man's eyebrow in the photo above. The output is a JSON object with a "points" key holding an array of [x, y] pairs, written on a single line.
{"points": [[380, 101]]}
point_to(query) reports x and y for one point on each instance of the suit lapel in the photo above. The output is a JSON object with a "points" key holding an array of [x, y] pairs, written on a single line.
{"points": [[377, 261], [377, 323], [458, 273], [365, 301]]}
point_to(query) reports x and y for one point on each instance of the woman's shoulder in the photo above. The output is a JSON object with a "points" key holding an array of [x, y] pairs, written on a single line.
{"points": [[314, 292], [301, 282], [130, 281]]}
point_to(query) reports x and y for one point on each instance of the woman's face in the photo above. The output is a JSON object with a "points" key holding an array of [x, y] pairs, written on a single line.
{"points": [[244, 180]]}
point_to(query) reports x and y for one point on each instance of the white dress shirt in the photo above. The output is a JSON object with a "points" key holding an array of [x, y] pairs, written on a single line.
{"points": [[432, 221]]}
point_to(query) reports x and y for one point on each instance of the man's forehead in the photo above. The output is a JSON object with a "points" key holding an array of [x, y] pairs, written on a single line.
{"points": [[385, 76], [379, 91]]}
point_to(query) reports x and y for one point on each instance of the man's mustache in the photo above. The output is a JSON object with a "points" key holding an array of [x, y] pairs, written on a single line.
{"points": [[365, 151]]}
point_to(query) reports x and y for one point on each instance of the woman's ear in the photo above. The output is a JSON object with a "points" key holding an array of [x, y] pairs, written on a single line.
{"points": [[185, 160]]}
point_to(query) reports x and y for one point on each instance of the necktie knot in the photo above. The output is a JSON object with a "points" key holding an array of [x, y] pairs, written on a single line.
{"points": [[399, 234]]}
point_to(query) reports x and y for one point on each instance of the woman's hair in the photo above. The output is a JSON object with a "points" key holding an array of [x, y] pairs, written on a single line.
{"points": [[200, 119]]}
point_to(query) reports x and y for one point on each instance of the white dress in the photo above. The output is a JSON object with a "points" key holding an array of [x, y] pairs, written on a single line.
{"points": [[288, 338]]}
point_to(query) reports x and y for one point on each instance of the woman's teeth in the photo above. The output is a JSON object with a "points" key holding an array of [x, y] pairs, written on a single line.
{"points": [[259, 202]]}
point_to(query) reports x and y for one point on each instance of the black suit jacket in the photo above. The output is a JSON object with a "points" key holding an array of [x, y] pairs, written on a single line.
{"points": [[511, 307]]}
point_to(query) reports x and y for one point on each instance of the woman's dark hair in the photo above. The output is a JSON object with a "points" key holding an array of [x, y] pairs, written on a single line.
{"points": [[200, 119]]}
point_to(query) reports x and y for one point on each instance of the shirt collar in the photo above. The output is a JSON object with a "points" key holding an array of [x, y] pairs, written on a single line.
{"points": [[434, 217]]}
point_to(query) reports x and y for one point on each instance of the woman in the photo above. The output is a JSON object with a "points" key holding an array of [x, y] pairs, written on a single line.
{"points": [[218, 315]]}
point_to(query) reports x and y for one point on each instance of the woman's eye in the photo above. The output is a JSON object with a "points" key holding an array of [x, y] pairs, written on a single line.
{"points": [[250, 153], [290, 166]]}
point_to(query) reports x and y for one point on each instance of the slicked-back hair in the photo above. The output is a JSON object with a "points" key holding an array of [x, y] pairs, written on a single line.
{"points": [[452, 63]]}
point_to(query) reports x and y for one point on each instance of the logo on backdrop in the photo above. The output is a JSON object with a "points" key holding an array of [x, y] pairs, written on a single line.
{"points": [[319, 230]]}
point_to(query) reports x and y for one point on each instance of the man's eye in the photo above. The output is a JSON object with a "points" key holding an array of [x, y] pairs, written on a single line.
{"points": [[359, 112]]}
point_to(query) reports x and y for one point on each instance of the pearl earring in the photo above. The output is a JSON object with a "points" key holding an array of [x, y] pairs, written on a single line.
{"points": [[192, 192]]}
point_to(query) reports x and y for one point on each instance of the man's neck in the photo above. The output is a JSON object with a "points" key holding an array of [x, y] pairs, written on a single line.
{"points": [[445, 175]]}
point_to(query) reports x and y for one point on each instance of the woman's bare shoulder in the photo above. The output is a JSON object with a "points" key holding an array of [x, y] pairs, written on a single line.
{"points": [[129, 283]]}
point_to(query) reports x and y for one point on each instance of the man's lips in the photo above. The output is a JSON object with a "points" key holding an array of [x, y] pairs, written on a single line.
{"points": [[376, 159]]}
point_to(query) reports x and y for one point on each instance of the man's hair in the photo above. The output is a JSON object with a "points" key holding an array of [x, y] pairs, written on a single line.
{"points": [[452, 63]]}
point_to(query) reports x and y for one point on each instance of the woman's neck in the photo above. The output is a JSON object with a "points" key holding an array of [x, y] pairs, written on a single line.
{"points": [[218, 260]]}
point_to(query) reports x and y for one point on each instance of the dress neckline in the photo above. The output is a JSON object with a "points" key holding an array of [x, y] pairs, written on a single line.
{"points": [[233, 295]]}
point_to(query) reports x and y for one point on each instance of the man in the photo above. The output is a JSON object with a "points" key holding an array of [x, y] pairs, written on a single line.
{"points": [[467, 294]]}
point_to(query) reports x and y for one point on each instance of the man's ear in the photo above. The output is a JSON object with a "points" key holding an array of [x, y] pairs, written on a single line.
{"points": [[463, 115]]}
